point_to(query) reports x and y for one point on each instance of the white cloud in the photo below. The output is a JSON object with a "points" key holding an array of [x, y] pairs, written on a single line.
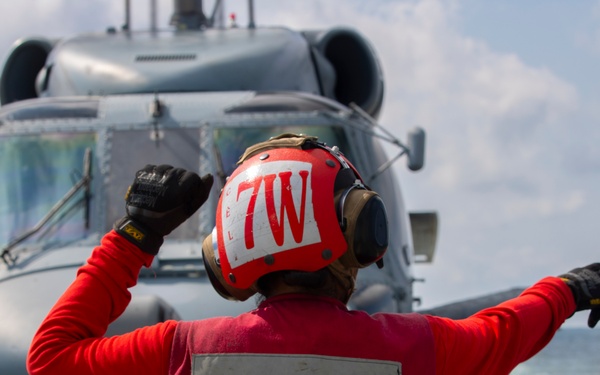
{"points": [[553, 203], [482, 109]]}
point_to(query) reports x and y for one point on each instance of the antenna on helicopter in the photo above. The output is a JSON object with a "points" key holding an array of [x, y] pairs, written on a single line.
{"points": [[126, 26], [232, 21], [218, 14], [251, 24], [153, 16]]}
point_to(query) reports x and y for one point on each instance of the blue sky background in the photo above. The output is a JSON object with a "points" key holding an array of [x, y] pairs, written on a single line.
{"points": [[507, 92]]}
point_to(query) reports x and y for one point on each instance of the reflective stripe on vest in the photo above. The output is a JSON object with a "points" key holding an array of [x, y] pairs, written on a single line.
{"points": [[285, 364]]}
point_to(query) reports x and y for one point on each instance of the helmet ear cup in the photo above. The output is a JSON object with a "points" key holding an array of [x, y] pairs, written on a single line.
{"points": [[371, 235], [363, 220], [211, 265]]}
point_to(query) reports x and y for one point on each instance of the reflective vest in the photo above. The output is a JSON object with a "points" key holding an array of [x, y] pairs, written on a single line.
{"points": [[295, 333]]}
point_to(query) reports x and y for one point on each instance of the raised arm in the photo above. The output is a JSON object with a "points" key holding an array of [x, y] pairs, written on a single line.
{"points": [[70, 340]]}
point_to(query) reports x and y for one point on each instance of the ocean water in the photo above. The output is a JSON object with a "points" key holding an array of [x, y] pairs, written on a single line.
{"points": [[572, 351]]}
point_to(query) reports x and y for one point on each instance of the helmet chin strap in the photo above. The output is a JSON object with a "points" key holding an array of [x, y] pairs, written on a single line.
{"points": [[345, 277]]}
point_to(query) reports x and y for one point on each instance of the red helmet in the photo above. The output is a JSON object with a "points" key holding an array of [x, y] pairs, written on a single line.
{"points": [[277, 211]]}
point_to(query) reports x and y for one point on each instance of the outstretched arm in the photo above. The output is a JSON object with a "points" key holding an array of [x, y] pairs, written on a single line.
{"points": [[495, 340]]}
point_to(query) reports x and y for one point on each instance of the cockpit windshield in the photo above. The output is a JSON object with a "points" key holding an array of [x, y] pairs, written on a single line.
{"points": [[186, 148], [37, 171]]}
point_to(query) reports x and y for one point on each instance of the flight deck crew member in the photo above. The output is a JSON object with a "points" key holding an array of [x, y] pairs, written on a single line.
{"points": [[294, 223]]}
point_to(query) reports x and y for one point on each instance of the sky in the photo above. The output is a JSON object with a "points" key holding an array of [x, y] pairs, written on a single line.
{"points": [[507, 93]]}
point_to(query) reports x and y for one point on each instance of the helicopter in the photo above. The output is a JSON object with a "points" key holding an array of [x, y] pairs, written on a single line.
{"points": [[80, 115]]}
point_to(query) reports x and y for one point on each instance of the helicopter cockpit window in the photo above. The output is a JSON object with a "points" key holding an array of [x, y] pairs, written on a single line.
{"points": [[36, 172], [131, 150], [232, 142]]}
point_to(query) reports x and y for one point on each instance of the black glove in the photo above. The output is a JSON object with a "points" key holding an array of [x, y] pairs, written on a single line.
{"points": [[159, 200], [585, 285]]}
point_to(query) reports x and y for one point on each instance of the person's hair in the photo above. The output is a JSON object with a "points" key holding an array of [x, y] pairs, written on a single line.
{"points": [[320, 282]]}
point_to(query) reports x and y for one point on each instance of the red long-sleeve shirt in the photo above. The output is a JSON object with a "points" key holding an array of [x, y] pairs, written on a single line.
{"points": [[70, 339]]}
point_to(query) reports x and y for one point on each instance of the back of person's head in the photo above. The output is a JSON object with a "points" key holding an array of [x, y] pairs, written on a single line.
{"points": [[297, 212]]}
